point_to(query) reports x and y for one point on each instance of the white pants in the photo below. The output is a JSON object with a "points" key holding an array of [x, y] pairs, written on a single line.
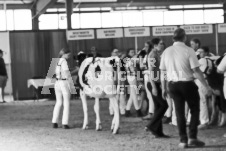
{"points": [[170, 106], [204, 114], [133, 98], [174, 117], [63, 95], [149, 95], [225, 87]]}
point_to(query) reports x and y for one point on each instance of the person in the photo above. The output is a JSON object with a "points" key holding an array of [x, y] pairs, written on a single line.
{"points": [[155, 124], [178, 64], [221, 68], [204, 114], [131, 77], [3, 77], [122, 98], [94, 53], [62, 89], [146, 94], [195, 44]]}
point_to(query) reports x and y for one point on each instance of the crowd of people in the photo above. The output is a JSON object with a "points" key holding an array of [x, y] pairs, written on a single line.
{"points": [[182, 85]]}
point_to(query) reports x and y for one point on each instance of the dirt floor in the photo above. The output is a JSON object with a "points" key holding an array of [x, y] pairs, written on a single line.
{"points": [[26, 126]]}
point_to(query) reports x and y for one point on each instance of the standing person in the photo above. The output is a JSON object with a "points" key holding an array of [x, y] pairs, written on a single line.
{"points": [[122, 97], [204, 113], [132, 80], [3, 77], [221, 68], [195, 44], [179, 63], [155, 125], [94, 52], [146, 94], [62, 90]]}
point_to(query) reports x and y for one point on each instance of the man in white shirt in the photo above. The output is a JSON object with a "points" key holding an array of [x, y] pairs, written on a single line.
{"points": [[222, 69], [178, 64]]}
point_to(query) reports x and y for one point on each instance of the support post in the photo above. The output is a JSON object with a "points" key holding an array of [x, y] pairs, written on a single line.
{"points": [[136, 45], [217, 43], [69, 10]]}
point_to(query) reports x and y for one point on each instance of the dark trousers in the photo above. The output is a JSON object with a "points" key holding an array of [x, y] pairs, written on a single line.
{"points": [[181, 92], [160, 108]]}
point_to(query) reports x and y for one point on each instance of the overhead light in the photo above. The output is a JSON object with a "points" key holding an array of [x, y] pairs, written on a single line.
{"points": [[132, 8], [75, 9], [193, 6], [51, 10], [81, 1], [85, 1], [61, 9], [149, 7], [89, 9], [155, 10], [176, 6], [213, 5], [106, 8]]}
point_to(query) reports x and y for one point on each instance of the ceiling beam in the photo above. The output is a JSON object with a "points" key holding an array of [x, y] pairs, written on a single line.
{"points": [[138, 4], [42, 5]]}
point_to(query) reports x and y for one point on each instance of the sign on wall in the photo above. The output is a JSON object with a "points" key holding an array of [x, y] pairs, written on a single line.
{"points": [[221, 28], [163, 31], [109, 33], [137, 32], [198, 29], [80, 34]]}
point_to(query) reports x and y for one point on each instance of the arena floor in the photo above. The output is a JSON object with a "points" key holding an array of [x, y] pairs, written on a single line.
{"points": [[26, 126]]}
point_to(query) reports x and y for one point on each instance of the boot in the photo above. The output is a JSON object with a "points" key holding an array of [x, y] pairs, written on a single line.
{"points": [[127, 114], [139, 113]]}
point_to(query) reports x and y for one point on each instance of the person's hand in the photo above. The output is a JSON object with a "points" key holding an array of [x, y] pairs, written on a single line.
{"points": [[209, 92], [154, 91], [164, 94]]}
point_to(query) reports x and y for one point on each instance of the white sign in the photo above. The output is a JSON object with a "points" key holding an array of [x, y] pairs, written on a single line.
{"points": [[198, 29], [109, 33], [221, 28], [80, 34], [137, 32], [163, 31]]}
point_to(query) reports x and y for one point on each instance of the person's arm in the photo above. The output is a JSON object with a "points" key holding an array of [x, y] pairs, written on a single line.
{"points": [[163, 84], [199, 75], [141, 60], [65, 69], [219, 71], [75, 71], [195, 66], [151, 61], [221, 68]]}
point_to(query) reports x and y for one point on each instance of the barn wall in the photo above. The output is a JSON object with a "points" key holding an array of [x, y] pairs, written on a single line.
{"points": [[32, 52]]}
